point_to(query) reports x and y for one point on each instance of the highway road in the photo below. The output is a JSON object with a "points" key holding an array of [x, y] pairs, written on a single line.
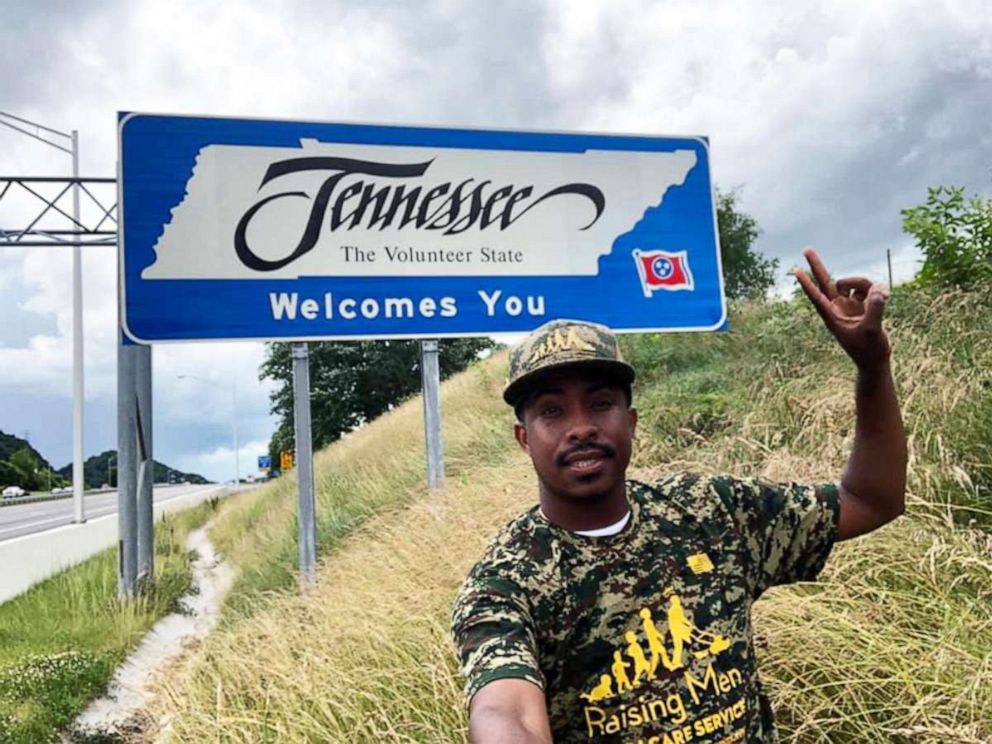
{"points": [[27, 519]]}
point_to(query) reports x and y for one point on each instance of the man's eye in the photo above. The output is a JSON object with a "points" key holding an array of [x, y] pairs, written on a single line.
{"points": [[550, 411], [603, 404]]}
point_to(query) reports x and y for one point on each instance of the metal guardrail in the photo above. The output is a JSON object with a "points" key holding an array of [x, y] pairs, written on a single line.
{"points": [[30, 500]]}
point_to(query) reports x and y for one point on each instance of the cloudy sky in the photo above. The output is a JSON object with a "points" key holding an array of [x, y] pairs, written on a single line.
{"points": [[831, 117]]}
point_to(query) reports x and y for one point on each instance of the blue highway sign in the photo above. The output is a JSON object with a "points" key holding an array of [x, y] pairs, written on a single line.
{"points": [[253, 229]]}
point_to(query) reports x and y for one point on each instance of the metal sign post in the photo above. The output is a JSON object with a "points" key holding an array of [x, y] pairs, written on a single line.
{"points": [[127, 469], [430, 373], [146, 464], [304, 465]]}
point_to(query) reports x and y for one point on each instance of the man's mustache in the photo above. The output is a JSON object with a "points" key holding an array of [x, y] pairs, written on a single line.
{"points": [[603, 449]]}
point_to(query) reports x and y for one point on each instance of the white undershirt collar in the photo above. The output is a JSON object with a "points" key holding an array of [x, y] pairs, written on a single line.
{"points": [[611, 529]]}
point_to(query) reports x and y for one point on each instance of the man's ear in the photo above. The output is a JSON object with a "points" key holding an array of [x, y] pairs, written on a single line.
{"points": [[520, 433], [632, 414]]}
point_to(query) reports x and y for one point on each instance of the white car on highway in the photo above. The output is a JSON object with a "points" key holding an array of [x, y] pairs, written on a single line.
{"points": [[13, 492]]}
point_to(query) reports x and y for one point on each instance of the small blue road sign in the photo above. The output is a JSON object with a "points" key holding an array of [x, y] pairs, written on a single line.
{"points": [[264, 462], [252, 229]]}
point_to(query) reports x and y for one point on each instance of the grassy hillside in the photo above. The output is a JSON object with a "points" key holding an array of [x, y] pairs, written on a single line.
{"points": [[61, 640], [894, 643]]}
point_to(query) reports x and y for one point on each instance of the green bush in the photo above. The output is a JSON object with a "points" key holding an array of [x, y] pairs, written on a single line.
{"points": [[955, 236]]}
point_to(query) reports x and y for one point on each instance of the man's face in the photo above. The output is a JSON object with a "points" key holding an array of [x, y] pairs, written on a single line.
{"points": [[577, 428]]}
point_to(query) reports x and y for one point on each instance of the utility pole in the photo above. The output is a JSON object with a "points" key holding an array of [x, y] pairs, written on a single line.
{"points": [[8, 120], [237, 444], [888, 257], [77, 346]]}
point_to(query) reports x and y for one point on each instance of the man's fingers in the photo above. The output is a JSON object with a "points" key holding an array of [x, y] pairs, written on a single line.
{"points": [[820, 273], [855, 287], [877, 297], [820, 302]]}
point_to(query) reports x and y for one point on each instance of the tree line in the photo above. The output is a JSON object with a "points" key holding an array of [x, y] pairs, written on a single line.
{"points": [[22, 465]]}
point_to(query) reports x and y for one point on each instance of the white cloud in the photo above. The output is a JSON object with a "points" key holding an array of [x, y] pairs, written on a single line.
{"points": [[804, 104], [833, 117], [221, 461]]}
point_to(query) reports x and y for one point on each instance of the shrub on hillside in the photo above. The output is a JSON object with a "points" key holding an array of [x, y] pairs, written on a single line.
{"points": [[746, 272], [955, 236]]}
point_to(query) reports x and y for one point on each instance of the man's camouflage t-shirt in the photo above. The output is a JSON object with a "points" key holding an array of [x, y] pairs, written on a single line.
{"points": [[645, 636]]}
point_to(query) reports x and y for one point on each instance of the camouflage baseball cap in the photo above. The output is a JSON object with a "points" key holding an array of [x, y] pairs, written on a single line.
{"points": [[563, 343]]}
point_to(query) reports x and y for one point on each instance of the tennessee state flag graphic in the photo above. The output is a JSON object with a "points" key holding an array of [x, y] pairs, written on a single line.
{"points": [[663, 270]]}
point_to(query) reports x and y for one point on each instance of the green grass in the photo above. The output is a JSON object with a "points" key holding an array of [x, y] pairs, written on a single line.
{"points": [[61, 641]]}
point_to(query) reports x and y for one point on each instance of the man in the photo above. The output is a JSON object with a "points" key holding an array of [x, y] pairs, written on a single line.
{"points": [[620, 611]]}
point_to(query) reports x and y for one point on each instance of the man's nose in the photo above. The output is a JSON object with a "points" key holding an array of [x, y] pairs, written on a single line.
{"points": [[582, 426]]}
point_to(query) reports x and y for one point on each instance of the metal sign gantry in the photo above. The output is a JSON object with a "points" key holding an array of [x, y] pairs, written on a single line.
{"points": [[68, 143], [40, 200], [45, 196]]}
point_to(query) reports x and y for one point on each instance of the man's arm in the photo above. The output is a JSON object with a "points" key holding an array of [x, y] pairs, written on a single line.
{"points": [[494, 634], [509, 711], [872, 489]]}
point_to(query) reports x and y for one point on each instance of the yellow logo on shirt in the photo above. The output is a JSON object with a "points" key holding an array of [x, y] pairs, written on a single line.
{"points": [[681, 632], [651, 652], [700, 563]]}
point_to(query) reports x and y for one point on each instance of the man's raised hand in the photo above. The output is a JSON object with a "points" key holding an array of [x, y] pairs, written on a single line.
{"points": [[851, 309]]}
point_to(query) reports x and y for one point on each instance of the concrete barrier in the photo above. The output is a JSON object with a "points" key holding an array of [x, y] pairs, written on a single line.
{"points": [[24, 561], [17, 500]]}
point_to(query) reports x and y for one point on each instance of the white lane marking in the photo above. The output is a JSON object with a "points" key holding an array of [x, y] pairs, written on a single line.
{"points": [[60, 520], [66, 518], [33, 527], [44, 516]]}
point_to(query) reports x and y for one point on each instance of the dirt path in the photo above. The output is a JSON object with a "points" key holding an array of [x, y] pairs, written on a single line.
{"points": [[117, 715]]}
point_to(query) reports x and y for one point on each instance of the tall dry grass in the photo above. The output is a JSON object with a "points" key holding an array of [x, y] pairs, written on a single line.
{"points": [[377, 468], [893, 644]]}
